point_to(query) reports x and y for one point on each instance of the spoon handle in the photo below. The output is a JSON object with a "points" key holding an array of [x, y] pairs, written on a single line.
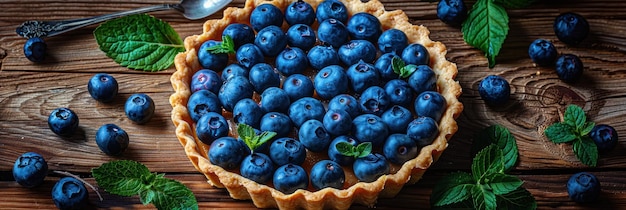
{"points": [[35, 28]]}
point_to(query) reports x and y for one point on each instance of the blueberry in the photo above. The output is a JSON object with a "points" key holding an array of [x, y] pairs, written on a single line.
{"points": [[571, 28], [289, 178], [263, 76], [299, 12], [337, 122], [249, 55], [397, 119], [542, 52], [287, 150], [583, 187], [227, 152], [304, 109], [605, 137], [211, 126], [430, 104], [301, 36], [452, 12], [248, 112], [362, 75], [233, 90], [422, 79], [112, 139], [63, 122], [202, 102], [392, 41], [423, 130], [70, 193], [139, 108], [569, 68], [384, 66], [271, 41], [30, 169], [240, 33], [266, 15], [399, 92], [370, 128], [276, 122], [209, 60], [257, 167], [102, 87], [356, 50], [292, 60], [416, 54], [298, 86], [370, 167], [336, 156], [322, 56], [35, 49], [326, 173], [346, 103], [332, 32], [400, 148], [274, 99], [494, 90], [314, 135], [364, 26], [206, 79], [234, 69], [374, 100], [330, 81], [331, 9]]}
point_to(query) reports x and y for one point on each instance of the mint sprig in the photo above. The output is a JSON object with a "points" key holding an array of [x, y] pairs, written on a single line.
{"points": [[227, 46], [140, 42], [575, 129], [358, 151], [252, 140], [400, 68], [129, 178], [488, 186]]}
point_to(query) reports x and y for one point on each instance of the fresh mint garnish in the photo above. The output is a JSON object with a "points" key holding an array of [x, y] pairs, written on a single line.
{"points": [[129, 178], [487, 186], [359, 151], [139, 42], [400, 68], [247, 134], [575, 128], [227, 46]]}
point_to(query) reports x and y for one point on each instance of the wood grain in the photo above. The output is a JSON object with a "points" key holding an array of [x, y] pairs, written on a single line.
{"points": [[29, 92]]}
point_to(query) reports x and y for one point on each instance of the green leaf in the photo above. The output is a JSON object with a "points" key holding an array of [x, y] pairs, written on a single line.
{"points": [[249, 137], [486, 28], [122, 177], [586, 151], [575, 117], [518, 199], [359, 151], [487, 161], [400, 68], [502, 183], [139, 42], [364, 149], [502, 137], [483, 198], [514, 4], [227, 46], [560, 133], [586, 129], [171, 194], [452, 188]]}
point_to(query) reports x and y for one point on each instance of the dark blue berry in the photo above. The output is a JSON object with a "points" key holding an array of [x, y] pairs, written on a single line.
{"points": [[397, 119], [569, 68], [333, 32], [370, 167], [271, 41], [331, 9], [202, 102], [416, 54], [314, 135], [233, 90], [494, 90], [30, 169], [392, 41], [374, 100], [301, 36], [430, 104], [385, 68], [35, 49], [111, 139], [234, 69], [257, 167], [330, 81], [63, 122], [211, 126], [70, 193], [370, 128], [263, 76], [249, 55], [337, 156], [362, 75], [583, 187], [210, 60], [304, 109], [542, 52], [248, 112], [452, 12], [422, 79], [571, 28], [292, 60], [289, 178], [356, 50], [326, 173], [274, 99], [364, 26], [347, 103], [287, 151], [423, 130], [399, 92], [322, 56], [299, 12], [139, 108], [400, 148], [298, 86], [266, 15], [337, 122], [276, 122], [605, 137], [102, 87], [206, 79], [240, 33], [227, 152]]}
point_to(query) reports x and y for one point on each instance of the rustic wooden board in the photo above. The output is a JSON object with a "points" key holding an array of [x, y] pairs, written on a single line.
{"points": [[28, 92]]}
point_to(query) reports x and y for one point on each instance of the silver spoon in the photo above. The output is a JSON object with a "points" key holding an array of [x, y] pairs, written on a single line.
{"points": [[190, 9]]}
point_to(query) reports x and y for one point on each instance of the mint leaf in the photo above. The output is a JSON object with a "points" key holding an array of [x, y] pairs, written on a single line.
{"points": [[363, 149], [514, 4], [486, 28], [519, 198], [139, 42], [502, 183], [226, 47], [483, 198], [586, 151], [249, 137], [574, 116], [452, 188], [171, 194], [560, 133], [400, 68], [359, 151], [502, 137], [487, 161], [586, 129]]}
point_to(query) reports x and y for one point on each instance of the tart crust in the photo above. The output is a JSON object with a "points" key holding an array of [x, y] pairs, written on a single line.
{"points": [[264, 196]]}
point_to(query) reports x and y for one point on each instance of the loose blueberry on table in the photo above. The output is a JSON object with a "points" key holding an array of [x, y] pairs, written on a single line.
{"points": [[571, 28], [494, 90], [70, 194], [452, 12], [112, 139], [102, 87], [542, 52], [605, 137], [35, 49], [30, 169], [63, 122], [583, 187], [139, 108], [569, 68]]}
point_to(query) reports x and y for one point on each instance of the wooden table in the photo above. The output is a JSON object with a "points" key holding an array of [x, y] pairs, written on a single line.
{"points": [[29, 92]]}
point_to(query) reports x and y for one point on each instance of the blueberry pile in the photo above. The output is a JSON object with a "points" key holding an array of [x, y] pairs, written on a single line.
{"points": [[315, 89]]}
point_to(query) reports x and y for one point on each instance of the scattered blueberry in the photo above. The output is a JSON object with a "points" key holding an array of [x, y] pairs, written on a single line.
{"points": [[102, 87], [276, 122], [494, 90], [314, 136], [423, 130], [416, 54], [374, 100], [583, 187], [370, 128], [356, 50], [35, 49], [211, 126], [347, 103], [30, 169], [210, 60], [304, 109], [542, 52], [337, 122], [331, 9], [605, 137], [240, 33], [322, 56], [298, 86], [337, 156], [227, 152], [111, 139], [301, 36], [370, 167], [292, 60], [271, 40], [202, 102], [263, 76], [257, 167], [249, 55], [287, 151], [206, 79], [399, 148], [452, 12], [430, 104], [274, 99], [364, 26], [299, 12], [362, 75], [63, 122], [397, 118], [569, 68], [333, 32], [139, 108], [70, 193], [330, 81], [266, 15], [248, 112], [233, 90], [326, 173], [571, 28], [392, 41]]}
